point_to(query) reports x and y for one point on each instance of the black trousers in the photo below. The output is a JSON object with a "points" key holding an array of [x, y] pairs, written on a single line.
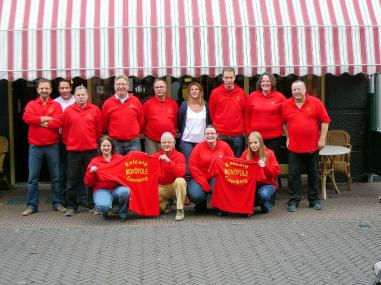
{"points": [[278, 146], [296, 162], [77, 162]]}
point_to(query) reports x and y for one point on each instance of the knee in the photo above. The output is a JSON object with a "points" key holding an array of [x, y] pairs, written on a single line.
{"points": [[124, 193], [180, 183]]}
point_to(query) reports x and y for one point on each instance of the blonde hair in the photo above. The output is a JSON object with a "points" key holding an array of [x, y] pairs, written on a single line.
{"points": [[201, 101], [261, 149]]}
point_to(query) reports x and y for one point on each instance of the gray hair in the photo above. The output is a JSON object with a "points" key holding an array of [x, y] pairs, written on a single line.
{"points": [[80, 87], [121, 76], [167, 135]]}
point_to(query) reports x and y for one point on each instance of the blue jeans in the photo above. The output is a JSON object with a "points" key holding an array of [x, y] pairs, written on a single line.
{"points": [[186, 149], [103, 199], [236, 143], [35, 160], [124, 147], [197, 195], [264, 194]]}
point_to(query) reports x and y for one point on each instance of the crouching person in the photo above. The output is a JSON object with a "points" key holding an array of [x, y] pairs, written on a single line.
{"points": [[171, 181], [105, 192], [268, 172]]}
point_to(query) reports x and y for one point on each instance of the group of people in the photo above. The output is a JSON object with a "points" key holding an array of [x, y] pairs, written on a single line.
{"points": [[76, 138]]}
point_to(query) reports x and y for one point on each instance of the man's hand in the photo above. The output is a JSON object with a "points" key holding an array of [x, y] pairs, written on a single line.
{"points": [[164, 157], [46, 119], [321, 143], [93, 169], [44, 124]]}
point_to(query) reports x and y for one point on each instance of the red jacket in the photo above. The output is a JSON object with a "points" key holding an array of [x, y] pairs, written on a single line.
{"points": [[227, 109], [123, 121], [269, 173], [38, 135], [173, 169], [81, 127], [160, 117], [91, 178], [201, 158], [263, 114]]}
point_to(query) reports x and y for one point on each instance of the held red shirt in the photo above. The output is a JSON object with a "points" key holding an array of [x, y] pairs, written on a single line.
{"points": [[173, 169], [38, 135], [269, 173], [123, 121], [91, 178], [81, 127], [303, 124], [201, 158], [263, 114], [226, 109], [160, 117]]}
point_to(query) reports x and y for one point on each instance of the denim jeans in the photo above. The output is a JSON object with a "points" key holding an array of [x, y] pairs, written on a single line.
{"points": [[35, 160], [196, 194], [186, 149], [296, 161], [103, 199], [124, 147], [236, 143], [264, 194]]}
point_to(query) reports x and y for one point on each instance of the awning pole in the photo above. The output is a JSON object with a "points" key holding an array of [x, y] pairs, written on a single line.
{"points": [[11, 134], [90, 89]]}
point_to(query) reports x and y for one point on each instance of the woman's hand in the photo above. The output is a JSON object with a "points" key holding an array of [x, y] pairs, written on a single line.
{"points": [[93, 169], [261, 163]]}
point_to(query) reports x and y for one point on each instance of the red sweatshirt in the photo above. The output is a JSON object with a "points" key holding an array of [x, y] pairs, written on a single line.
{"points": [[123, 121], [263, 114], [226, 109], [81, 127], [38, 135], [91, 178], [173, 169], [160, 117], [269, 173], [201, 158]]}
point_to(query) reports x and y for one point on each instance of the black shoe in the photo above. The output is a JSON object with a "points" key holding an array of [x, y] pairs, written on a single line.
{"points": [[200, 208], [105, 216], [220, 213], [315, 206], [291, 208]]}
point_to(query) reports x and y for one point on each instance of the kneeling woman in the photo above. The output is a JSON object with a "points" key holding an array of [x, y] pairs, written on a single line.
{"points": [[106, 191], [269, 169], [201, 157]]}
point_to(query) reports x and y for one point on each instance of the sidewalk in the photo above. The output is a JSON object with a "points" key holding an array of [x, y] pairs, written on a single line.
{"points": [[337, 245]]}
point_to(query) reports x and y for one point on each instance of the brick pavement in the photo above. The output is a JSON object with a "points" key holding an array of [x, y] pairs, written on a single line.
{"points": [[335, 246]]}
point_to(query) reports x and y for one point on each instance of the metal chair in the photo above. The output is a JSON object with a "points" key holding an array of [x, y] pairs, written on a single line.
{"points": [[342, 164], [4, 149]]}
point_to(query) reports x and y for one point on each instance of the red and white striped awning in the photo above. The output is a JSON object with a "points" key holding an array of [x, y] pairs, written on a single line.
{"points": [[102, 38]]}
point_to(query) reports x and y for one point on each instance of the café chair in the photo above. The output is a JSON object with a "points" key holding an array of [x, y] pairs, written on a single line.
{"points": [[342, 163], [4, 149]]}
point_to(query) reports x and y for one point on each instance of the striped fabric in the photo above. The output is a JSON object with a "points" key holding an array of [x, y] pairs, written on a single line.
{"points": [[102, 38]]}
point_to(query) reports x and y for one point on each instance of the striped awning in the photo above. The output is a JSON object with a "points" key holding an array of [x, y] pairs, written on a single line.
{"points": [[102, 38]]}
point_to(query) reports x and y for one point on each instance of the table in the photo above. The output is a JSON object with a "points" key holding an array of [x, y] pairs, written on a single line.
{"points": [[328, 153]]}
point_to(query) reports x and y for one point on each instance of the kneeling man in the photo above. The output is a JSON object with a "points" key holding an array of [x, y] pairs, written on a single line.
{"points": [[171, 180]]}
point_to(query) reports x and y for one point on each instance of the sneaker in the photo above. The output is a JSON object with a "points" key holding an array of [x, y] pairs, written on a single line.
{"points": [[315, 206], [179, 215], [29, 212], [291, 208], [60, 208], [69, 213], [168, 208], [122, 219], [96, 212]]}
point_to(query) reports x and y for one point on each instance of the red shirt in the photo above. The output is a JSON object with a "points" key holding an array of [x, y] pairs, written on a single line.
{"points": [[160, 117], [123, 121], [263, 114], [269, 173], [81, 127], [173, 169], [226, 109], [201, 158], [91, 178], [303, 123], [38, 135]]}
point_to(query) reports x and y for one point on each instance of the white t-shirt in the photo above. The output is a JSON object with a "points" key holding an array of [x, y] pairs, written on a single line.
{"points": [[195, 124], [65, 103]]}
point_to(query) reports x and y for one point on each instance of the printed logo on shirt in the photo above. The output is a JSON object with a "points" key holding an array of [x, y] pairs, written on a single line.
{"points": [[50, 110], [89, 116]]}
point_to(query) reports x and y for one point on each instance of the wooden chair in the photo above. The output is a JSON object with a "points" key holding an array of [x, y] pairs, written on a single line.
{"points": [[4, 149], [342, 164]]}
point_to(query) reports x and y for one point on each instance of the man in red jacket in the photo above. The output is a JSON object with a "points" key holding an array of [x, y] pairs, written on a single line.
{"points": [[123, 118], [160, 115], [81, 129], [226, 108], [306, 125], [43, 138], [171, 181]]}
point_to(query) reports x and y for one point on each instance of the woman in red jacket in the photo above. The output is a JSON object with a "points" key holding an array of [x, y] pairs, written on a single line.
{"points": [[106, 191], [269, 169], [203, 154]]}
